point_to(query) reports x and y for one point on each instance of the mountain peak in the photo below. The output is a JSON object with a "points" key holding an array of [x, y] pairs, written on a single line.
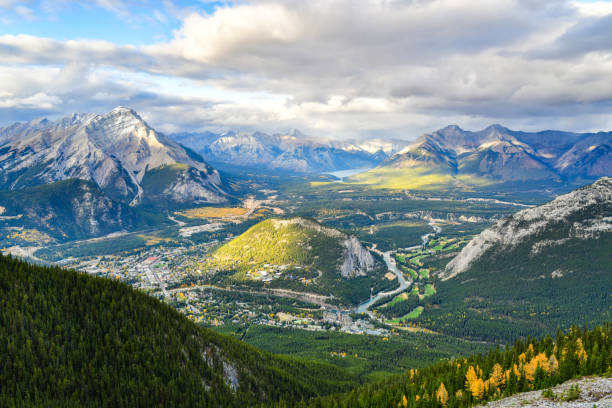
{"points": [[123, 110], [496, 127], [123, 114], [116, 151], [454, 128], [296, 133]]}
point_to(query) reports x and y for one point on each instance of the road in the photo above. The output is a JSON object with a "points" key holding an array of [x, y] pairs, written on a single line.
{"points": [[153, 276], [320, 300]]}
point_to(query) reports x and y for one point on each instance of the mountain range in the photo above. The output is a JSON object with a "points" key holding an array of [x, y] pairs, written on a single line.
{"points": [[455, 157], [292, 151], [128, 163]]}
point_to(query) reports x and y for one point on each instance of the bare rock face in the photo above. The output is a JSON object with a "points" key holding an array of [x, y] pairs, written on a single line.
{"points": [[115, 151], [581, 214], [594, 392], [69, 209], [358, 261]]}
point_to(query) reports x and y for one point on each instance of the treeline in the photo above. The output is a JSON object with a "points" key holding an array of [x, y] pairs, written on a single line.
{"points": [[526, 366], [69, 339]]}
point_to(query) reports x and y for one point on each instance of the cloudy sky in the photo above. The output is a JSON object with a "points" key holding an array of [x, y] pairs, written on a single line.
{"points": [[335, 68]]}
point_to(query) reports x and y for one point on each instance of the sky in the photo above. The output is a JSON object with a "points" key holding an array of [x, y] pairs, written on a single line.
{"points": [[331, 68]]}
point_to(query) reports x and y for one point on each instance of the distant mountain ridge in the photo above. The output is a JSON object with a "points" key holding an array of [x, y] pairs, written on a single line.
{"points": [[116, 151], [455, 156], [292, 151], [503, 155]]}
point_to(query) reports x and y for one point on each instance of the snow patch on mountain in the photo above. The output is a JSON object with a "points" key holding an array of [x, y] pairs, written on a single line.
{"points": [[115, 150]]}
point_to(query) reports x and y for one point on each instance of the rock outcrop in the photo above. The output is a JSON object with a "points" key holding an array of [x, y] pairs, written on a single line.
{"points": [[581, 214], [358, 261]]}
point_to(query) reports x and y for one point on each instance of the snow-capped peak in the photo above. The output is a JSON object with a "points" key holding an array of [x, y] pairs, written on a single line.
{"points": [[115, 150]]}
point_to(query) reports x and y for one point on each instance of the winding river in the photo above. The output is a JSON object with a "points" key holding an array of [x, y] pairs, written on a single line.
{"points": [[392, 266]]}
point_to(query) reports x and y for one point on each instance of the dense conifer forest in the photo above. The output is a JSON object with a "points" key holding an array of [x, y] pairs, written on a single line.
{"points": [[525, 366], [69, 339]]}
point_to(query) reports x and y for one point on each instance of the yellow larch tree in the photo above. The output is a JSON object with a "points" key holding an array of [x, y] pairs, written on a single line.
{"points": [[474, 384], [442, 395], [497, 376], [553, 364], [580, 351]]}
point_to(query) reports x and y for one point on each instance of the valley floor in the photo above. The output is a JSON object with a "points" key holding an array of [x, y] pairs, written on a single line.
{"points": [[414, 235]]}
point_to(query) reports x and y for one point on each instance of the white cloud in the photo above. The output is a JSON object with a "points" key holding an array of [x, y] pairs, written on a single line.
{"points": [[25, 12], [384, 66], [593, 8]]}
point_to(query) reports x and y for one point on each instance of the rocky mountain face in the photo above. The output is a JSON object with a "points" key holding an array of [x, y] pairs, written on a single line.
{"points": [[539, 269], [116, 151], [582, 215], [500, 154], [358, 261], [294, 151], [69, 209]]}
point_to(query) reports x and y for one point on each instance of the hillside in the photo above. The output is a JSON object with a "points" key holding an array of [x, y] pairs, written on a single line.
{"points": [[300, 253], [454, 158], [535, 270], [116, 151], [68, 339], [464, 382], [65, 210]]}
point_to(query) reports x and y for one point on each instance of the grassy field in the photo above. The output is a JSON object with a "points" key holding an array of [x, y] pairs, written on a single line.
{"points": [[412, 315], [416, 178], [212, 212]]}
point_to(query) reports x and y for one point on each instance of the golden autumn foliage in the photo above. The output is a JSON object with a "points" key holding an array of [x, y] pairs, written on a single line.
{"points": [[474, 384], [538, 361], [580, 351], [442, 395], [553, 364], [459, 395], [535, 364], [497, 376]]}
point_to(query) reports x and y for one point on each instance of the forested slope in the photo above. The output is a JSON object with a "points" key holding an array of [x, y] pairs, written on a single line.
{"points": [[69, 339], [527, 365]]}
